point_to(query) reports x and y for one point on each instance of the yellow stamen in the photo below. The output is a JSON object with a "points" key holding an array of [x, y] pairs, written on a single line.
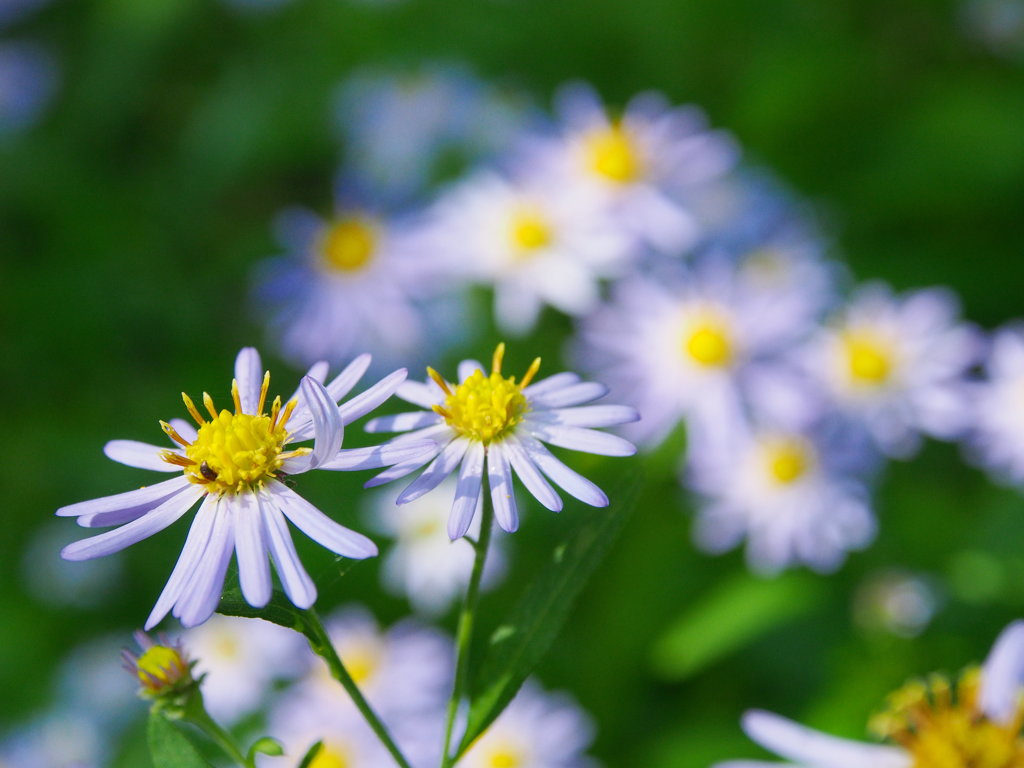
{"points": [[497, 358], [530, 373], [439, 380], [176, 458], [210, 407], [263, 392], [173, 434], [160, 668], [235, 396], [287, 413], [275, 411], [196, 415]]}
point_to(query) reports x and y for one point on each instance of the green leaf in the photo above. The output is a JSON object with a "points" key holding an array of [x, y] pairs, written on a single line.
{"points": [[265, 746], [278, 611], [518, 644], [732, 616], [169, 747], [311, 755]]}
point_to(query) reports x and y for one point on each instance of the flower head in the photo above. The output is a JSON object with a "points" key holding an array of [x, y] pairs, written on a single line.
{"points": [[163, 669], [936, 723], [234, 463], [494, 424], [996, 439]]}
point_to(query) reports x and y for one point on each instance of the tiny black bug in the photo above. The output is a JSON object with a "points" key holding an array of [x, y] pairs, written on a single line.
{"points": [[207, 472]]}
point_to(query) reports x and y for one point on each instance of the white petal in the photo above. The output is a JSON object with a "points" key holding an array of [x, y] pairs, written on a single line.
{"points": [[147, 497], [569, 480], [438, 470], [318, 526], [202, 593], [404, 468], [403, 422], [467, 492], [327, 425], [1002, 677], [251, 552], [551, 383], [418, 393], [195, 545], [467, 367], [532, 478], [152, 522], [499, 475], [141, 455], [342, 384], [375, 456], [814, 749], [576, 394], [578, 439], [185, 429], [589, 416], [249, 374], [363, 403], [297, 584]]}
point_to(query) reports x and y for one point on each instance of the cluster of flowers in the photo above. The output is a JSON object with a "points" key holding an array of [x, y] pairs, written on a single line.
{"points": [[28, 72]]}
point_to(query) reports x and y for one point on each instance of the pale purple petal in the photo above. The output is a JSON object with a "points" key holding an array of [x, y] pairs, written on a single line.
{"points": [[531, 477], [364, 402], [375, 456], [418, 393], [327, 425], [579, 439], [438, 433], [753, 764], [251, 552], [576, 394], [249, 374], [467, 492], [185, 429], [814, 749], [342, 384], [551, 383], [152, 522], [318, 526], [568, 479], [195, 545], [1002, 677], [466, 368], [202, 593], [297, 584], [141, 455], [405, 468], [318, 371], [589, 416], [499, 475], [438, 470], [403, 422], [149, 495]]}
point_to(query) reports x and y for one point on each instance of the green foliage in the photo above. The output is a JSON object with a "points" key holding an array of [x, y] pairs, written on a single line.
{"points": [[169, 747], [310, 756]]}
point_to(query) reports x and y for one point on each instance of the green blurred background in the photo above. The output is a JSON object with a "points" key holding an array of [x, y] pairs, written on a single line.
{"points": [[130, 218]]}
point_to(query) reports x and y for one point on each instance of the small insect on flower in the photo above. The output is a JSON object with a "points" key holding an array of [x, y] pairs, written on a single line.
{"points": [[935, 723], [163, 668], [494, 424], [234, 462]]}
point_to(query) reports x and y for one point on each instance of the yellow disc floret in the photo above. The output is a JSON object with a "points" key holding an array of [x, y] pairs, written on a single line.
{"points": [[869, 357], [161, 668], [708, 342], [485, 408], [787, 459], [234, 452], [941, 725], [349, 244], [529, 231], [612, 153]]}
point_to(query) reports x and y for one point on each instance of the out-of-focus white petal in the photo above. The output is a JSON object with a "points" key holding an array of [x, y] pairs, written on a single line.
{"points": [[1002, 677], [363, 403]]}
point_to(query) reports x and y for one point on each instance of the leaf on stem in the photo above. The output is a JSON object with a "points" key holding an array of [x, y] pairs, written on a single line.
{"points": [[518, 644], [311, 755], [169, 747]]}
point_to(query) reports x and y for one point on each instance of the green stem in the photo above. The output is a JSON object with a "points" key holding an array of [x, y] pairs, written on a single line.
{"points": [[322, 646], [196, 714], [464, 634]]}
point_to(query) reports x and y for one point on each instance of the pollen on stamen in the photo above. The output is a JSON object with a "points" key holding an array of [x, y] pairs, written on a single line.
{"points": [[173, 434], [263, 392], [193, 411]]}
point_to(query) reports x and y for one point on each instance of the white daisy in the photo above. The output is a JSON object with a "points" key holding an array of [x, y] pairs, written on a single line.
{"points": [[781, 492], [896, 366], [240, 659], [645, 164], [234, 464], [423, 563], [494, 425], [537, 730], [535, 244], [690, 348], [937, 723], [996, 441], [345, 282]]}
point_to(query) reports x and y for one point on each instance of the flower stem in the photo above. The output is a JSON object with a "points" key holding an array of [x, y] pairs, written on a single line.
{"points": [[464, 634], [322, 646], [196, 714]]}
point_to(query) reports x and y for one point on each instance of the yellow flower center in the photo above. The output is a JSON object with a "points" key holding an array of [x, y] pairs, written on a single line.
{"points": [[505, 756], [485, 408], [332, 756], [787, 460], [940, 724], [709, 343], [529, 232], [234, 452], [611, 153], [160, 667], [349, 244], [869, 357], [362, 662]]}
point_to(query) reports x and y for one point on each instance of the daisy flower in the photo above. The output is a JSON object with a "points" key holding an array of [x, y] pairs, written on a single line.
{"points": [[493, 425], [996, 441], [234, 465], [973, 721], [781, 491], [644, 164], [423, 563], [896, 366], [535, 244]]}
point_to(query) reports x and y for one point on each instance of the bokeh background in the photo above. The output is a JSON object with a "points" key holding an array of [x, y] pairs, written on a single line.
{"points": [[137, 198]]}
